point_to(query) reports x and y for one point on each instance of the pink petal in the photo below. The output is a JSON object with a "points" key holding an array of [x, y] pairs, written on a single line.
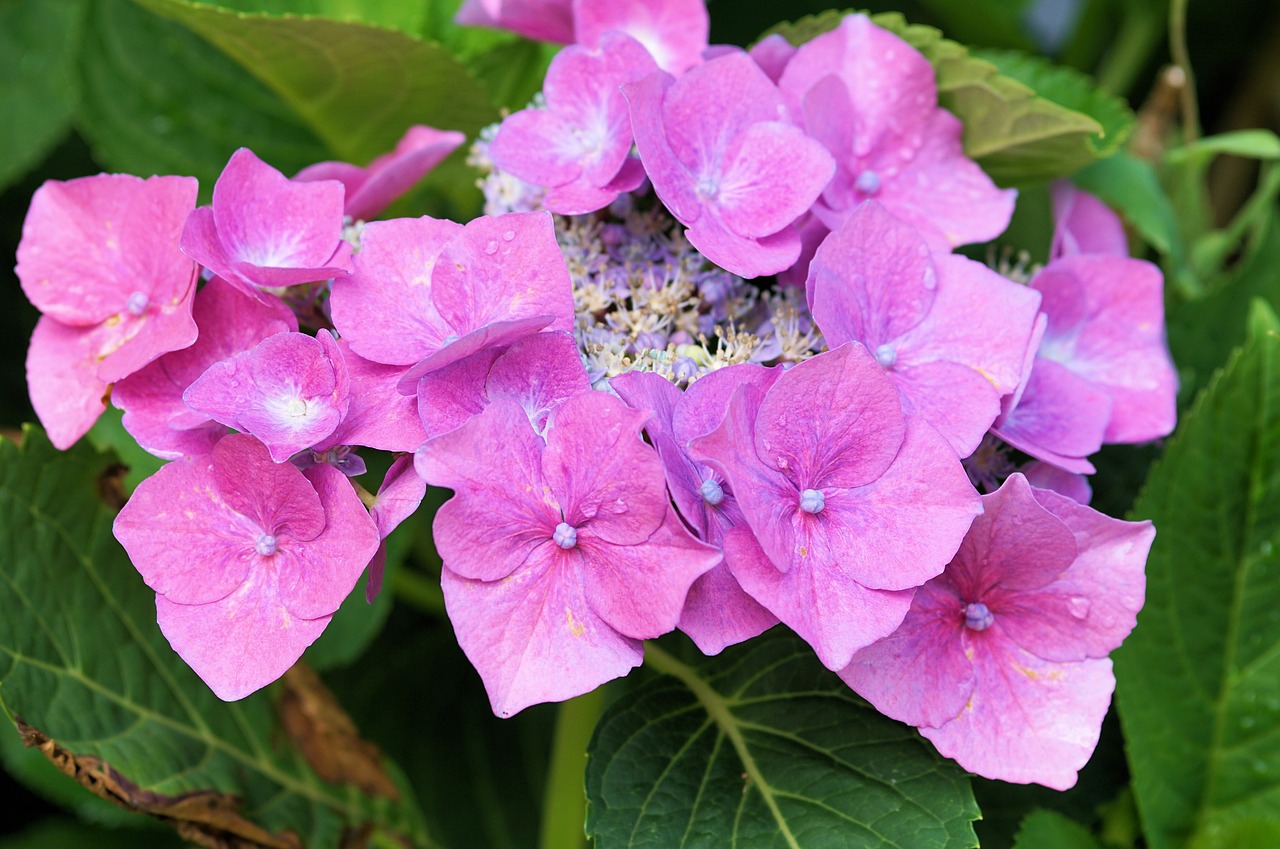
{"points": [[1048, 476], [772, 53], [747, 258], [240, 644], [538, 146], [274, 496], [602, 473], [1084, 225], [718, 613], [447, 397], [385, 308], [89, 244], [539, 373], [672, 179], [499, 513], [544, 20], [495, 334], [673, 31], [534, 637], [62, 381], [832, 613], [640, 590], [919, 674], [378, 415], [1060, 418], [401, 492], [773, 174], [1028, 720]]}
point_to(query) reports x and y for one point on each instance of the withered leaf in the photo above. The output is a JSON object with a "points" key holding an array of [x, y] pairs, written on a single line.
{"points": [[321, 730], [206, 818]]}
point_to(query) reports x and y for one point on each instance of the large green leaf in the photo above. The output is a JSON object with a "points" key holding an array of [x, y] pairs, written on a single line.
{"points": [[763, 747], [1199, 678], [38, 91], [1016, 133], [358, 87], [159, 100], [1051, 830], [84, 665]]}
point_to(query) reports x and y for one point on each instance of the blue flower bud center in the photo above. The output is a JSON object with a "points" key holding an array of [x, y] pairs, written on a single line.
{"points": [[712, 491], [812, 501], [265, 545], [566, 535], [137, 303], [977, 617], [868, 182], [886, 356]]}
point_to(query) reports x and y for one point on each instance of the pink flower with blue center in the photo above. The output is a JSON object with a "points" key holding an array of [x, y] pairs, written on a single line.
{"points": [[279, 552], [727, 161], [99, 258], [717, 613], [561, 553], [579, 145], [265, 231], [950, 333], [850, 505], [1002, 660]]}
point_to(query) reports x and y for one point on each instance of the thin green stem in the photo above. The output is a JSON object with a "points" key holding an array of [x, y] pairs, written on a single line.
{"points": [[1181, 58], [1130, 51], [418, 590], [564, 802]]}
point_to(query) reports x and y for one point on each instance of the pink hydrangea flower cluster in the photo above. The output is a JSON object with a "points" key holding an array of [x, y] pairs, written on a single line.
{"points": [[637, 438]]}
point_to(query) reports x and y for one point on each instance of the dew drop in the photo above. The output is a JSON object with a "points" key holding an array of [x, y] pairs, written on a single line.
{"points": [[491, 248], [1266, 548], [1248, 722], [930, 280], [1078, 607], [1260, 766], [509, 235]]}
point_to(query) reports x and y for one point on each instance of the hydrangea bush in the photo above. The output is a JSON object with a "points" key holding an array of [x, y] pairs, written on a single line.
{"points": [[734, 378]]}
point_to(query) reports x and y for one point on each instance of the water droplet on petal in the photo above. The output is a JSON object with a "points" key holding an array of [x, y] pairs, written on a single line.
{"points": [[930, 280], [491, 248], [509, 235], [1078, 607]]}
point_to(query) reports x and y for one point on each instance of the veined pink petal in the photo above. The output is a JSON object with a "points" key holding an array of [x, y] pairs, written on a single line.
{"points": [[378, 415], [534, 637], [545, 20], [1084, 225], [673, 31], [761, 161], [274, 496], [62, 380]]}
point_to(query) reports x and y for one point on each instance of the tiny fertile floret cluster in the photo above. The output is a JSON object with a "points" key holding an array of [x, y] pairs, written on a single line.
{"points": [[707, 362]]}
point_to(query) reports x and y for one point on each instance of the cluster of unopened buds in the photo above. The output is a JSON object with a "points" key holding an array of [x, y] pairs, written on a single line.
{"points": [[639, 436]]}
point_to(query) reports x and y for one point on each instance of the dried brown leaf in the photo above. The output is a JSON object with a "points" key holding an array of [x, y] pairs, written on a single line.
{"points": [[324, 734], [206, 818]]}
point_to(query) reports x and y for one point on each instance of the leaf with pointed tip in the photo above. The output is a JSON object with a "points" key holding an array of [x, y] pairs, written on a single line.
{"points": [[358, 87], [762, 746], [1016, 132], [1051, 830], [1198, 681], [85, 668]]}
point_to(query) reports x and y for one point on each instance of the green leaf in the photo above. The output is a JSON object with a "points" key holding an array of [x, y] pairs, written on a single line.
{"points": [[1203, 332], [358, 87], [1199, 678], [1255, 144], [1132, 186], [762, 746], [159, 100], [1079, 95], [1051, 830], [1020, 131], [38, 90], [83, 663]]}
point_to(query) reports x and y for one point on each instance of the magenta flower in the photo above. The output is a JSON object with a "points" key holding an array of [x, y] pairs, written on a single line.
{"points": [[1084, 225], [279, 551], [371, 189], [850, 504], [378, 414], [99, 257], [290, 390], [401, 492], [544, 20], [578, 146], [539, 373], [1002, 661], [230, 323], [561, 555], [426, 292], [951, 334], [717, 613], [727, 162], [870, 98], [264, 231], [673, 31]]}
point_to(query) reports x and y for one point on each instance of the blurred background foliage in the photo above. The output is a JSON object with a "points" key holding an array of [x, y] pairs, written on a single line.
{"points": [[148, 86]]}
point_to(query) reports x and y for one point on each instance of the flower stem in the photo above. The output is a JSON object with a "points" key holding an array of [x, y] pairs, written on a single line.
{"points": [[418, 590], [1181, 58], [564, 803]]}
